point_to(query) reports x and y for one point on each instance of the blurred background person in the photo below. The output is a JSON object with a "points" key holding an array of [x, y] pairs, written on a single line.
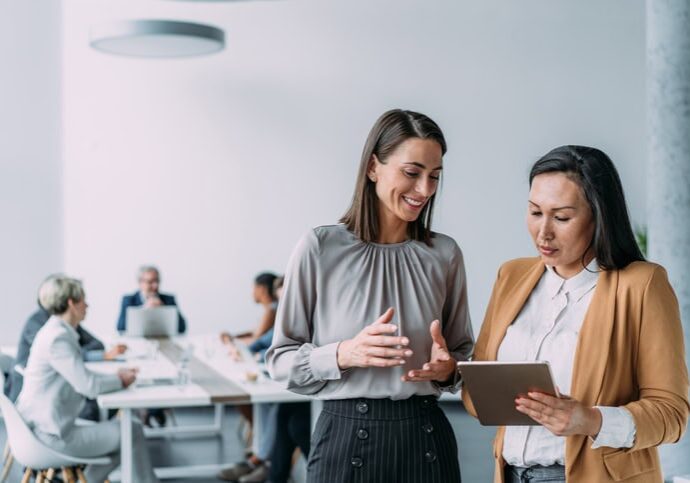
{"points": [[92, 349], [56, 383], [263, 293], [148, 296], [267, 288]]}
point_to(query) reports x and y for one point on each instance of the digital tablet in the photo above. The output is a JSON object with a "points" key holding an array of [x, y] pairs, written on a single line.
{"points": [[493, 387]]}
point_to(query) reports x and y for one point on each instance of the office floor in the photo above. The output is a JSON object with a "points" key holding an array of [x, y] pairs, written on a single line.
{"points": [[474, 441]]}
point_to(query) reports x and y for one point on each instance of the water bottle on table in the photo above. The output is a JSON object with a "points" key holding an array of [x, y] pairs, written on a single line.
{"points": [[184, 376]]}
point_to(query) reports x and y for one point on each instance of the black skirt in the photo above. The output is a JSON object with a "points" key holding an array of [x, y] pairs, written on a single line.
{"points": [[380, 440]]}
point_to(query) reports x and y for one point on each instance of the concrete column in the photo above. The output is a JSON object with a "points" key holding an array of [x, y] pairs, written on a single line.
{"points": [[668, 190]]}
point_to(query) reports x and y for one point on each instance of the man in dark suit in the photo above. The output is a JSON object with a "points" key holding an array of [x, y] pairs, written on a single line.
{"points": [[148, 296], [92, 349]]}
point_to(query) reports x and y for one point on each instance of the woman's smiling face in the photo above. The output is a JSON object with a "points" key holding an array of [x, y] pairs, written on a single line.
{"points": [[407, 179]]}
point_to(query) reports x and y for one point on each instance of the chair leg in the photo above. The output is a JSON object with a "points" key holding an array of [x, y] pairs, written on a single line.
{"points": [[6, 469], [171, 415], [6, 451], [27, 476], [68, 475], [40, 477], [80, 475]]}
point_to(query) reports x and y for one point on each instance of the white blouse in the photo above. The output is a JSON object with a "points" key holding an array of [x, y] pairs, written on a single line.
{"points": [[547, 329]]}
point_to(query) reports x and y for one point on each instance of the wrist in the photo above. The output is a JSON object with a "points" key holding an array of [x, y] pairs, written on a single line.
{"points": [[341, 355], [595, 422], [450, 375]]}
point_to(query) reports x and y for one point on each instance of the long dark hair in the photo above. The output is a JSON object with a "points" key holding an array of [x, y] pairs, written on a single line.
{"points": [[613, 241], [390, 131], [266, 279]]}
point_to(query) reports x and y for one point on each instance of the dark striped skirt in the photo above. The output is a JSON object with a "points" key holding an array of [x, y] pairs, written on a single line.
{"points": [[380, 440]]}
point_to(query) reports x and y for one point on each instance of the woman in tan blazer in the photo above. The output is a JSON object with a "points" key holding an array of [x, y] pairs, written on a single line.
{"points": [[608, 323]]}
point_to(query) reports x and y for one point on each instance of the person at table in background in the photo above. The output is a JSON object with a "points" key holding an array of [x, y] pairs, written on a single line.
{"points": [[56, 383], [374, 317], [255, 468], [263, 294], [262, 342], [607, 322], [92, 349], [148, 296]]}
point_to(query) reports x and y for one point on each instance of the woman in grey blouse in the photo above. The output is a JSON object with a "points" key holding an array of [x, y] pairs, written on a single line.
{"points": [[374, 316]]}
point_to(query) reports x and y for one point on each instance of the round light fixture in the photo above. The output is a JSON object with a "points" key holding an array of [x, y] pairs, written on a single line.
{"points": [[157, 38]]}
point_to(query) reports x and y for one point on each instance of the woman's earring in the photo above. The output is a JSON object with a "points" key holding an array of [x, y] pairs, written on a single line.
{"points": [[372, 178]]}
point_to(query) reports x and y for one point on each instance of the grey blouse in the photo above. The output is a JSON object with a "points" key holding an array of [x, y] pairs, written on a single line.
{"points": [[336, 284]]}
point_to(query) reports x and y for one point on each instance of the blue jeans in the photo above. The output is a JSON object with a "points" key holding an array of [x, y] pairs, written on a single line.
{"points": [[535, 474]]}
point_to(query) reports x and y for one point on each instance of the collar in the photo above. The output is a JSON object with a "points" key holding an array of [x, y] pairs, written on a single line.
{"points": [[70, 330], [576, 286]]}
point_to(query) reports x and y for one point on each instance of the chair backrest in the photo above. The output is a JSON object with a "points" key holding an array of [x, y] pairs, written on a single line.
{"points": [[28, 449], [5, 363]]}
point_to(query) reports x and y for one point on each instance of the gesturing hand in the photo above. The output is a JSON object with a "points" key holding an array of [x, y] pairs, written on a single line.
{"points": [[441, 365], [373, 347], [562, 416]]}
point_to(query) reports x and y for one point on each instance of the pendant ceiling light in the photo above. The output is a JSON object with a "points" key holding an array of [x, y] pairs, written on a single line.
{"points": [[157, 38]]}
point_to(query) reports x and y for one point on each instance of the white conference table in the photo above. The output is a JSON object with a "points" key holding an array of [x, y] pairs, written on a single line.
{"points": [[216, 380]]}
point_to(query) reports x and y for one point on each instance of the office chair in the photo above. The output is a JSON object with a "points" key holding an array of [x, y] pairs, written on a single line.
{"points": [[32, 453]]}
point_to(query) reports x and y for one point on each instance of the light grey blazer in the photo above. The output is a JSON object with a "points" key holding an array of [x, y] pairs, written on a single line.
{"points": [[56, 381]]}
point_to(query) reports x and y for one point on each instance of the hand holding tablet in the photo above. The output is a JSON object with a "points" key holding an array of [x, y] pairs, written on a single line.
{"points": [[495, 386]]}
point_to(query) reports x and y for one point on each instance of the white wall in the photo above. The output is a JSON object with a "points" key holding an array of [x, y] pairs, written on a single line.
{"points": [[213, 167], [30, 169]]}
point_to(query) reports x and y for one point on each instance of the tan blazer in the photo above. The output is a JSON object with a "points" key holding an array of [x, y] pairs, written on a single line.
{"points": [[630, 353]]}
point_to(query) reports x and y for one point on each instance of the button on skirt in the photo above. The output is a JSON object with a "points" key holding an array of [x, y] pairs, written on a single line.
{"points": [[380, 440]]}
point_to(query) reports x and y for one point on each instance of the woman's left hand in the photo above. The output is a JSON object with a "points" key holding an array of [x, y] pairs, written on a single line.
{"points": [[441, 365], [562, 416]]}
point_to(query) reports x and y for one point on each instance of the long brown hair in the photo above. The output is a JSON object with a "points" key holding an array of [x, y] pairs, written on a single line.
{"points": [[390, 131]]}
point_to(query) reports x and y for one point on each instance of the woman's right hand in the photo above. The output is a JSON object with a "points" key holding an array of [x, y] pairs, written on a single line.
{"points": [[127, 376], [374, 347]]}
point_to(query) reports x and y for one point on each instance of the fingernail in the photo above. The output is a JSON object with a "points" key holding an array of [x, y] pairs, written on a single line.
{"points": [[411, 374], [401, 362], [405, 340], [408, 353]]}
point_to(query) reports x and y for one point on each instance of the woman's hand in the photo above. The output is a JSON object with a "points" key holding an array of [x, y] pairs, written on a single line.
{"points": [[225, 338], [562, 416], [373, 347], [127, 376], [441, 365], [116, 350]]}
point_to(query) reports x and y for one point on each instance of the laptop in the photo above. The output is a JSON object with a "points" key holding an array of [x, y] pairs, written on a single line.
{"points": [[151, 321]]}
